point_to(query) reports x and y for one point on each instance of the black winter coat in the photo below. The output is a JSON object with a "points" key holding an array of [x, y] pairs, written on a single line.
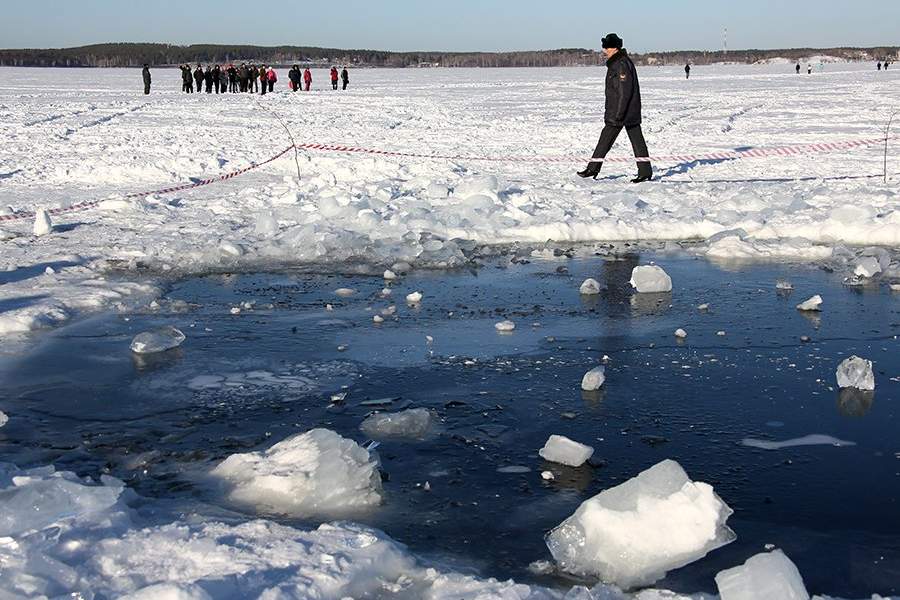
{"points": [[146, 75], [623, 92]]}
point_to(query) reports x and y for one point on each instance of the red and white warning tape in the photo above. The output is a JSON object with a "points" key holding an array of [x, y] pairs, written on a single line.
{"points": [[728, 155]]}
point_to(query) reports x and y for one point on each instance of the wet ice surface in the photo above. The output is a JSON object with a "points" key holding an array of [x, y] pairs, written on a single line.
{"points": [[242, 382]]}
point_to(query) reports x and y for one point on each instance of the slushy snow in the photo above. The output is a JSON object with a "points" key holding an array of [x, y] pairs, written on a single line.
{"points": [[766, 576], [413, 423], [650, 279], [308, 474], [157, 340], [856, 372], [811, 305], [632, 534], [590, 287], [594, 379], [562, 450]]}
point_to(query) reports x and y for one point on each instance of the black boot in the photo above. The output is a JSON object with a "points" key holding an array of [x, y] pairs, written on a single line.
{"points": [[592, 170], [642, 178]]}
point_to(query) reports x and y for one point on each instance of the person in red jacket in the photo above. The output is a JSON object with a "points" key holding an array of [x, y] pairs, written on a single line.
{"points": [[334, 78], [307, 78], [272, 78]]}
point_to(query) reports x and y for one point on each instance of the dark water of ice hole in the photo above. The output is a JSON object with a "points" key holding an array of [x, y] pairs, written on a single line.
{"points": [[83, 403]]}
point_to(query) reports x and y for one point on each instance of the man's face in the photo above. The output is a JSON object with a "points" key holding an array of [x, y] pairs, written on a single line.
{"points": [[610, 52]]}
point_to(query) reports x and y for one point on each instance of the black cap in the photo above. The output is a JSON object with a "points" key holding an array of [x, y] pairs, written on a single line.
{"points": [[612, 41]]}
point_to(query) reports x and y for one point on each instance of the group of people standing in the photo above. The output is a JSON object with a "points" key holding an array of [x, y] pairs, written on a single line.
{"points": [[247, 79], [887, 64]]}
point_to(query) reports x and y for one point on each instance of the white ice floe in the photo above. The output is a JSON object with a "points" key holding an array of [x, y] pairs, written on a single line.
{"points": [[856, 372], [562, 450], [378, 319], [867, 267], [4, 419], [594, 379], [681, 334], [157, 340], [632, 534], [309, 474], [414, 423], [414, 298], [650, 279], [811, 305], [766, 576], [345, 292], [42, 223], [590, 287], [815, 439], [505, 326], [784, 285]]}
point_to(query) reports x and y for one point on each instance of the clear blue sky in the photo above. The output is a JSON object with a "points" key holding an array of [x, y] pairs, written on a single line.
{"points": [[454, 25]]}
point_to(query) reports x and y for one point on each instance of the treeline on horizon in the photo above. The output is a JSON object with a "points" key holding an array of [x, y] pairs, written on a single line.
{"points": [[135, 55]]}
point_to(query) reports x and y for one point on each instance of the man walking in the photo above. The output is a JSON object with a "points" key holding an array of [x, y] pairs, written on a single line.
{"points": [[687, 70], [146, 75], [623, 110], [345, 78]]}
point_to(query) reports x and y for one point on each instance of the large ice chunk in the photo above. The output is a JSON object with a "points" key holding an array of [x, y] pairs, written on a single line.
{"points": [[649, 279], [562, 450], [42, 223], [856, 372], [312, 473], [630, 535], [413, 423], [813, 304], [766, 576], [157, 340], [867, 267], [594, 379], [590, 287]]}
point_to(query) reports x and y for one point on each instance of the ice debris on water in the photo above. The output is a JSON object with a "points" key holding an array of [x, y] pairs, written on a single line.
{"points": [[309, 474], [766, 576], [632, 534], [157, 340], [594, 379], [856, 372], [414, 298], [813, 304], [42, 223], [680, 333], [703, 307], [590, 287], [413, 424], [784, 284], [548, 476], [389, 275], [378, 319], [3, 418], [650, 279], [344, 292], [505, 326], [867, 267], [816, 439], [562, 450]]}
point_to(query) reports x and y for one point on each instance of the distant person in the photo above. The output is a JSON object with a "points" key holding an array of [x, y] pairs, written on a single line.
{"points": [[243, 74], [253, 82], [147, 79], [263, 76], [887, 64], [798, 68], [272, 79], [879, 65], [307, 78], [208, 79], [623, 110], [345, 77], [232, 79], [295, 76], [218, 80], [198, 77], [809, 69], [187, 79], [687, 71], [334, 78]]}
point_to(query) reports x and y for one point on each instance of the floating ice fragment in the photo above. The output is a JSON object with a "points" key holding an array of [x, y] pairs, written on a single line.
{"points": [[413, 423], [157, 340], [390, 275], [505, 326], [378, 319], [784, 284], [766, 576], [812, 304], [680, 334], [562, 450], [815, 439], [414, 298], [650, 279], [3, 419], [721, 333], [856, 372], [632, 534], [590, 287], [593, 379], [703, 307], [895, 287], [344, 292], [387, 292], [867, 267], [235, 310], [308, 474], [42, 223], [548, 476]]}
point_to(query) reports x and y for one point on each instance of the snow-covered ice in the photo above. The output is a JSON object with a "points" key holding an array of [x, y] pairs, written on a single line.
{"points": [[766, 576], [594, 379], [632, 534], [312, 473], [815, 439], [414, 423], [650, 279], [158, 340], [590, 287], [42, 223], [856, 372], [562, 450], [812, 305]]}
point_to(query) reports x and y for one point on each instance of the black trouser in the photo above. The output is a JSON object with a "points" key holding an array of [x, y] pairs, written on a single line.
{"points": [[608, 137], [264, 86], [271, 86], [199, 85], [334, 84], [146, 88], [346, 83]]}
